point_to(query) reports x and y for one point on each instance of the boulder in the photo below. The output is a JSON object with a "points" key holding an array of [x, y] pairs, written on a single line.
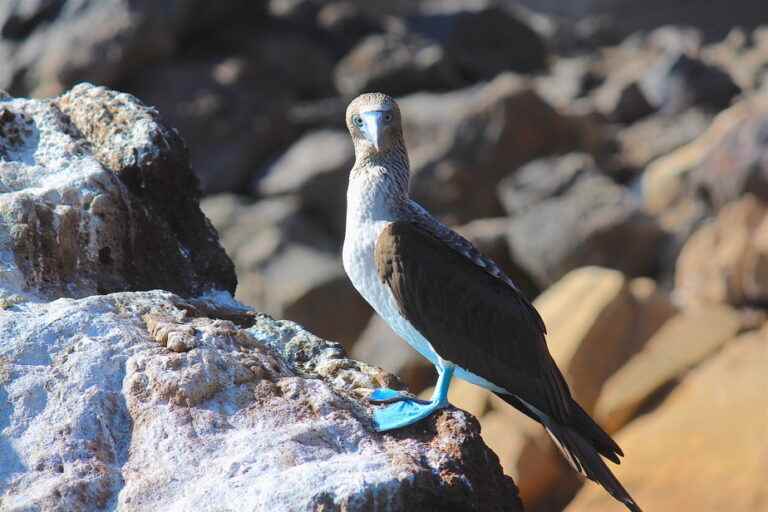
{"points": [[597, 319], [316, 170], [737, 164], [483, 41], [659, 135], [544, 479], [397, 63], [680, 81], [566, 214], [623, 102], [94, 184], [502, 125], [703, 448], [233, 130], [288, 265], [490, 237], [48, 46], [725, 260], [145, 400], [680, 344]]}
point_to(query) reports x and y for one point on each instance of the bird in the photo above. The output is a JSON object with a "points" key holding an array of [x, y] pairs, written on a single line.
{"points": [[453, 305]]}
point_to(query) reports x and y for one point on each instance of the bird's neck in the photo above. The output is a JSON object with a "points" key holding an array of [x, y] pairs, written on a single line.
{"points": [[378, 186]]}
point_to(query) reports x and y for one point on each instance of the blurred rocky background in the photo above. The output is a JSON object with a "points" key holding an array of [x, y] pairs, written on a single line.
{"points": [[611, 155]]}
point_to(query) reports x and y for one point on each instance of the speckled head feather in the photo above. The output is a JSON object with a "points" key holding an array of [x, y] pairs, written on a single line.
{"points": [[392, 144]]}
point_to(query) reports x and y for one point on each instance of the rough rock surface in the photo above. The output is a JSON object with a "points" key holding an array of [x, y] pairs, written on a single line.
{"points": [[153, 400], [145, 400], [704, 447], [94, 187], [565, 214]]}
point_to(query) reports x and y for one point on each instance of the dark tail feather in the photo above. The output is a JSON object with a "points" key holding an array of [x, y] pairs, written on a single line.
{"points": [[582, 454], [588, 428]]}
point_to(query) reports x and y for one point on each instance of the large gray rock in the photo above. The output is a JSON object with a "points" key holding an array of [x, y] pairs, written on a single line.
{"points": [[316, 169], [565, 214], [147, 401], [94, 186]]}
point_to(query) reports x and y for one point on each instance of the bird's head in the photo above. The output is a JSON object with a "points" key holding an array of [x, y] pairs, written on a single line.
{"points": [[374, 122]]}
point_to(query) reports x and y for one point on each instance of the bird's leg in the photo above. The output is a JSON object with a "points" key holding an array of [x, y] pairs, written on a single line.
{"points": [[407, 411]]}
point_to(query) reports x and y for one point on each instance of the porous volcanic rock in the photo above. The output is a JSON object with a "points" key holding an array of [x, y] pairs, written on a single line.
{"points": [[95, 186]]}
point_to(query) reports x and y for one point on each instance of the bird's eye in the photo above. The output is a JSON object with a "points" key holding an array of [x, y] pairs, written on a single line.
{"points": [[358, 121], [387, 118]]}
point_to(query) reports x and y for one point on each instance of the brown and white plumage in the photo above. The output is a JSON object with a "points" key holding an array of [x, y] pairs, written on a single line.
{"points": [[452, 304]]}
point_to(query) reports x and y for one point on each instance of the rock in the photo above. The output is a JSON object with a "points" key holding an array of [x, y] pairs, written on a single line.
{"points": [[704, 447], [316, 169], [566, 214], [397, 63], [93, 185], [680, 344], [145, 400], [48, 46], [623, 103], [504, 125], [232, 130], [568, 81], [681, 81], [483, 41], [490, 237], [659, 135], [667, 179], [743, 55], [544, 479], [738, 163], [724, 261], [597, 319], [625, 17], [380, 346], [288, 266]]}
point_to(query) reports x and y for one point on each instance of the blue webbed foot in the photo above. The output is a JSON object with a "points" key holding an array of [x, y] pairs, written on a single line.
{"points": [[387, 396], [403, 413]]}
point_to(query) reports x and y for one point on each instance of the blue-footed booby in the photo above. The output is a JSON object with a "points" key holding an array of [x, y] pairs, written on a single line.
{"points": [[450, 303]]}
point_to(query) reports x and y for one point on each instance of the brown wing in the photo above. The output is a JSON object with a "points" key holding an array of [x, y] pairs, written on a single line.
{"points": [[472, 318]]}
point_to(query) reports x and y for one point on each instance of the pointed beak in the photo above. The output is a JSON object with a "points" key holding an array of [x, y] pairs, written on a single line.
{"points": [[374, 128]]}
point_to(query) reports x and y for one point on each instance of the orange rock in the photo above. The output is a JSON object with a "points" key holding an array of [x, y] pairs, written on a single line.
{"points": [[704, 448]]}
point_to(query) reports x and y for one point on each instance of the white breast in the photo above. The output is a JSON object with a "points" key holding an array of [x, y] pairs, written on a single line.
{"points": [[368, 213]]}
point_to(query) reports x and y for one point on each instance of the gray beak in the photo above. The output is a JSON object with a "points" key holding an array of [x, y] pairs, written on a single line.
{"points": [[374, 128]]}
